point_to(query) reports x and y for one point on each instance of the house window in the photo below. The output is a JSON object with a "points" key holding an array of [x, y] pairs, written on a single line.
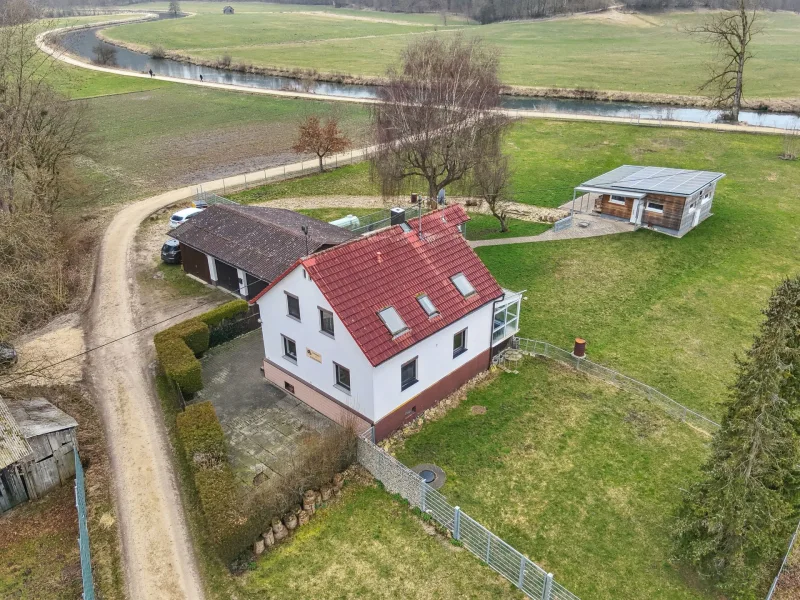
{"points": [[293, 306], [289, 349], [288, 387], [326, 321], [655, 207], [393, 321], [462, 284], [408, 374], [427, 305], [460, 343], [617, 200], [706, 196], [342, 377]]}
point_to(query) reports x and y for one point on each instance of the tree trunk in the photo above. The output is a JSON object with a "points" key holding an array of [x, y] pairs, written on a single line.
{"points": [[737, 94], [321, 168], [503, 223]]}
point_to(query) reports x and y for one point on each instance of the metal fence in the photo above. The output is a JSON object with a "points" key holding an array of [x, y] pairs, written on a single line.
{"points": [[584, 365], [526, 575], [382, 218], [562, 224], [774, 585], [83, 531]]}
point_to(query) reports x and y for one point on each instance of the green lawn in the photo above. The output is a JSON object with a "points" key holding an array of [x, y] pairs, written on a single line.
{"points": [[640, 53], [578, 475], [672, 313]]}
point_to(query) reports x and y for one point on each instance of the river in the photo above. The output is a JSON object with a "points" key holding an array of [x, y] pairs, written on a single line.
{"points": [[81, 43]]}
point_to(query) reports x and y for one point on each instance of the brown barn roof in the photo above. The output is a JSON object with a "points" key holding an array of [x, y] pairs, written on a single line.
{"points": [[259, 240]]}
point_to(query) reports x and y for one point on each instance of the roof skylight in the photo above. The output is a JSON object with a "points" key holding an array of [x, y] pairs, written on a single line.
{"points": [[462, 284], [427, 305], [394, 323]]}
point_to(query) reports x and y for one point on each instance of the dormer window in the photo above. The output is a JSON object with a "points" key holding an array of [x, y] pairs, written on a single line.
{"points": [[463, 285], [394, 323], [427, 305]]}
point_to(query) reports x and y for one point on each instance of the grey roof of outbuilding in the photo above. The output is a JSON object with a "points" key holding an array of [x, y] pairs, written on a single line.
{"points": [[259, 240], [37, 416], [13, 446], [660, 180]]}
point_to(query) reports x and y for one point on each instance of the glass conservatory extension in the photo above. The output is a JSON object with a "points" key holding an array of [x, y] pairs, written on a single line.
{"points": [[506, 316]]}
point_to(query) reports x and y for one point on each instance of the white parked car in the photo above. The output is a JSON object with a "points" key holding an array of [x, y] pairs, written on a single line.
{"points": [[180, 217]]}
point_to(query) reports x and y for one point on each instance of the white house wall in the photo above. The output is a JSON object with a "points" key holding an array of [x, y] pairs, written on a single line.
{"points": [[435, 360], [307, 335]]}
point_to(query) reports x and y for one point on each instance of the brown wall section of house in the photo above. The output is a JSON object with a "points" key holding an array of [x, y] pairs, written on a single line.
{"points": [[673, 211], [427, 398], [195, 263], [615, 210], [315, 398]]}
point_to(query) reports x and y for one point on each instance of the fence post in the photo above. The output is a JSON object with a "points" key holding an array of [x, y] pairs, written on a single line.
{"points": [[456, 523], [488, 546], [422, 494], [245, 180], [548, 586], [223, 187], [521, 579]]}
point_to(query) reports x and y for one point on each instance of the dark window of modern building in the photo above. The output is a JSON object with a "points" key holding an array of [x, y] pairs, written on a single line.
{"points": [[408, 374], [293, 306]]}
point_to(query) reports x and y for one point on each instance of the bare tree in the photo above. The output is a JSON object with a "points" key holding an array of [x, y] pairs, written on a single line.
{"points": [[104, 54], [791, 144], [434, 111], [491, 180], [174, 8], [730, 32], [320, 139]]}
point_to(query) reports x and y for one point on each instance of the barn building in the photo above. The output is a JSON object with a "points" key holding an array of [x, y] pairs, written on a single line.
{"points": [[379, 329], [243, 248], [37, 450], [671, 201]]}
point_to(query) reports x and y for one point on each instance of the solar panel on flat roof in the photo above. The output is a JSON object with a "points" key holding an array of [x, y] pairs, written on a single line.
{"points": [[664, 180], [394, 323]]}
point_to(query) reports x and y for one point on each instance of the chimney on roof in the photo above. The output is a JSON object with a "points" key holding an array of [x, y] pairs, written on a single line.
{"points": [[397, 216]]}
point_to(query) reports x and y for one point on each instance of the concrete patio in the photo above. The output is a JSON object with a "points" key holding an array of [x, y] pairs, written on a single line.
{"points": [[265, 427]]}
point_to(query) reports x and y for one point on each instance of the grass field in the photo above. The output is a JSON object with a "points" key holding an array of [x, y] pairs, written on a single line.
{"points": [[638, 53], [672, 313], [578, 475]]}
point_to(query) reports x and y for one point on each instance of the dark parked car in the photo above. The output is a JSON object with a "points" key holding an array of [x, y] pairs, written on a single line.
{"points": [[171, 252], [8, 356]]}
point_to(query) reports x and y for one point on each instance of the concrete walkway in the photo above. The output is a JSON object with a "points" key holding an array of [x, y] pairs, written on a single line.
{"points": [[595, 226], [59, 54]]}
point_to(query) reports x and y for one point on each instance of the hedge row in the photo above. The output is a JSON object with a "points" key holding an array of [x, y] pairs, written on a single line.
{"points": [[201, 433], [178, 346]]}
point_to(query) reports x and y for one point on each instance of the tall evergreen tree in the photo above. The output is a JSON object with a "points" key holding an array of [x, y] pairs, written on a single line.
{"points": [[733, 525]]}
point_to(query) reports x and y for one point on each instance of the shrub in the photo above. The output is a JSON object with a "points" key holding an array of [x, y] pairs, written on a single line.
{"points": [[193, 332], [201, 434], [157, 51], [180, 364], [224, 61], [215, 316]]}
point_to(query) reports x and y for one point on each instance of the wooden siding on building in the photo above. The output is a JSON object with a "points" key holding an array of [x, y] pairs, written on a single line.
{"points": [[673, 211], [195, 263], [12, 488], [615, 210]]}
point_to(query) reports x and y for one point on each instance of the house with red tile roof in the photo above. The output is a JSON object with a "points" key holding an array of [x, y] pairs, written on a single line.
{"points": [[380, 328]]}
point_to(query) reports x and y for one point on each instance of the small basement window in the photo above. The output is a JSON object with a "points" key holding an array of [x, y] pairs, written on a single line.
{"points": [[462, 284], [617, 200], [427, 305], [288, 387], [394, 323], [656, 207]]}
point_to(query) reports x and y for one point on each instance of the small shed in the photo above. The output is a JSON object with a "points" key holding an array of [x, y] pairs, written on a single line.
{"points": [[37, 449], [228, 10], [671, 201]]}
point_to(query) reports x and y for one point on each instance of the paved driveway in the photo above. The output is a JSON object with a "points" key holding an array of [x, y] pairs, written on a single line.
{"points": [[264, 426]]}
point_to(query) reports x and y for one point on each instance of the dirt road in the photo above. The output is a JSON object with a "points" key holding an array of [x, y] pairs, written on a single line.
{"points": [[159, 560]]}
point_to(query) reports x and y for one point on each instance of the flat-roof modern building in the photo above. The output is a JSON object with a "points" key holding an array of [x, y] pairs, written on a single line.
{"points": [[671, 201]]}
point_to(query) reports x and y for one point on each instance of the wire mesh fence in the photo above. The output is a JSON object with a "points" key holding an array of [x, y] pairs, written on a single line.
{"points": [[629, 384], [526, 575], [83, 530], [773, 588]]}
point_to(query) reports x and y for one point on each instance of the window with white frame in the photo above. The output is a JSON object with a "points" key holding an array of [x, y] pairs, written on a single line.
{"points": [[460, 343], [393, 321], [655, 207], [342, 377], [408, 374], [462, 284], [293, 306], [427, 305], [326, 321], [617, 200], [506, 317], [707, 196], [289, 349]]}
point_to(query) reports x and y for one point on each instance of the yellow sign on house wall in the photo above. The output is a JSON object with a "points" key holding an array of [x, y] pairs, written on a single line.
{"points": [[313, 355]]}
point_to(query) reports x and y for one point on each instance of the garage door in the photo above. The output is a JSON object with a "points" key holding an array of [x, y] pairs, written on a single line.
{"points": [[227, 276]]}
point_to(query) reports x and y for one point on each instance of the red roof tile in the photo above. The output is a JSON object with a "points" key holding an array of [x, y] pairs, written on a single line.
{"points": [[391, 268]]}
